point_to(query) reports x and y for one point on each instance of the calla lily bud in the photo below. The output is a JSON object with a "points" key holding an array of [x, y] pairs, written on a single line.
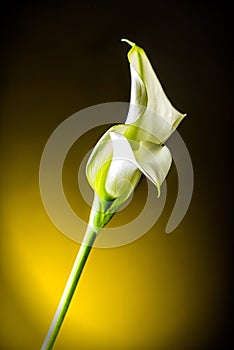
{"points": [[127, 150]]}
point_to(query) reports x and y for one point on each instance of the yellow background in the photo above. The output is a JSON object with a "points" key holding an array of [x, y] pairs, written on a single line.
{"points": [[162, 291]]}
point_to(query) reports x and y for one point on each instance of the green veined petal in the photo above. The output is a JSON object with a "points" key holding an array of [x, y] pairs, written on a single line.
{"points": [[135, 133]]}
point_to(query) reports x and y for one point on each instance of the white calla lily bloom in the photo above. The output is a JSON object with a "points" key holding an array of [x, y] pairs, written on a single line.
{"points": [[121, 156], [127, 150]]}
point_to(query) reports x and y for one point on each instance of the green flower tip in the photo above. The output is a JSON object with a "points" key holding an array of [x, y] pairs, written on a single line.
{"points": [[129, 42]]}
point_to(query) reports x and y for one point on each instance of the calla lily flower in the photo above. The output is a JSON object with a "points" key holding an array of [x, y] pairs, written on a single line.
{"points": [[121, 156], [127, 150]]}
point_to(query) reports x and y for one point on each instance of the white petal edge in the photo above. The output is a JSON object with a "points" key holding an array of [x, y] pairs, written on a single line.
{"points": [[101, 153]]}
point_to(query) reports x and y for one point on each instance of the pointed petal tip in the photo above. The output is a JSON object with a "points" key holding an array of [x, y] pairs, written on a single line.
{"points": [[168, 230], [128, 41], [159, 191]]}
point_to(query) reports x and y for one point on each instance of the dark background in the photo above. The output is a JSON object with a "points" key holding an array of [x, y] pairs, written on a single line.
{"points": [[59, 57]]}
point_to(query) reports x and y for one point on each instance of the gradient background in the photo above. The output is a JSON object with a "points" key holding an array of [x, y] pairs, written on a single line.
{"points": [[162, 291]]}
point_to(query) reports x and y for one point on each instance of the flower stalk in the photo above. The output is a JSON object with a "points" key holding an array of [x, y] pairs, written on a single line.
{"points": [[70, 288], [99, 216]]}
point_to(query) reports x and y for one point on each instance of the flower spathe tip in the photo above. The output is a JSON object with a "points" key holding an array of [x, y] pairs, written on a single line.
{"points": [[131, 43]]}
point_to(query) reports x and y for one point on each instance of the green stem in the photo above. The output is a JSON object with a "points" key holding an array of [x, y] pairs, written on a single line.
{"points": [[69, 290]]}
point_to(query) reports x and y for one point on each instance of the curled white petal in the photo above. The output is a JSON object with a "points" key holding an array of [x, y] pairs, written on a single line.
{"points": [[160, 117], [138, 97], [122, 168], [152, 160]]}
